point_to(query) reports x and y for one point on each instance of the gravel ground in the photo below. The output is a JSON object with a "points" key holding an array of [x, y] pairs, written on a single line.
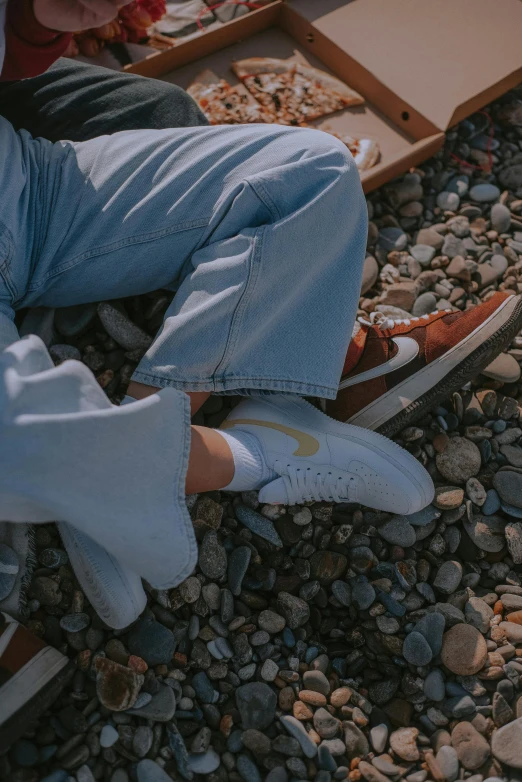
{"points": [[317, 642]]}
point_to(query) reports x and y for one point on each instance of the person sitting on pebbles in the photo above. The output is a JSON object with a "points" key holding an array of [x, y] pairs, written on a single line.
{"points": [[261, 231]]}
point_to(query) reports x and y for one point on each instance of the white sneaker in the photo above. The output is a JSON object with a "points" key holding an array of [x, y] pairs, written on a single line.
{"points": [[114, 590], [322, 459]]}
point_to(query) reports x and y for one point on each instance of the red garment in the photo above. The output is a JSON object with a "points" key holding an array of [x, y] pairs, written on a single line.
{"points": [[30, 48]]}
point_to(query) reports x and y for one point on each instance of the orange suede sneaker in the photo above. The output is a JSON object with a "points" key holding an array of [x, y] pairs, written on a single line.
{"points": [[396, 370]]}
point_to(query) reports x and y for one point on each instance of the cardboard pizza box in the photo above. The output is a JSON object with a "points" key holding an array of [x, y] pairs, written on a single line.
{"points": [[408, 105]]}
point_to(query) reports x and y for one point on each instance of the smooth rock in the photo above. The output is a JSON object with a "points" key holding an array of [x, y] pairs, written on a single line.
{"points": [[459, 461], [424, 253], [117, 687], [151, 641], [500, 218], [204, 763], [257, 524], [448, 577], [486, 532], [448, 762], [508, 484], [484, 193], [392, 239], [416, 650], [122, 329], [513, 533], [434, 688], [506, 743], [464, 650], [398, 532], [503, 368], [160, 708], [370, 273], [296, 729], [472, 748], [295, 610], [256, 703], [404, 743]]}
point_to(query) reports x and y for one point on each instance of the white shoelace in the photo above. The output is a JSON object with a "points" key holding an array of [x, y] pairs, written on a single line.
{"points": [[382, 321], [306, 483]]}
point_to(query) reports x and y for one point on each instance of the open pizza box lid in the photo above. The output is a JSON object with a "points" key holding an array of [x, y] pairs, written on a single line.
{"points": [[444, 58]]}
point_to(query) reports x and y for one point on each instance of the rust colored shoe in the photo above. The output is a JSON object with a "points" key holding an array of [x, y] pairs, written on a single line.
{"points": [[396, 370]]}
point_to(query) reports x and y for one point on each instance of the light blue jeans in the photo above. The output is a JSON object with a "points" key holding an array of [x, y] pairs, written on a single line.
{"points": [[261, 230]]}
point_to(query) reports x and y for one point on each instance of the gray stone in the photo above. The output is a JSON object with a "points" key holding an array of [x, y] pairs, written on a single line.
{"points": [[295, 610], [238, 562], [448, 201], [398, 532], [108, 736], [363, 593], [296, 729], [448, 762], [258, 524], [484, 193], [204, 763], [160, 708], [431, 237], [416, 650], [122, 329], [486, 532], [61, 353], [379, 737], [513, 533], [459, 461], [151, 641], [448, 577], [149, 771], [424, 253], [74, 623], [212, 557], [271, 622], [142, 740], [316, 680], [511, 177], [506, 743], [478, 614], [370, 273], [432, 627], [500, 218], [424, 304], [434, 688], [256, 703], [508, 484], [326, 725], [355, 740], [453, 246]]}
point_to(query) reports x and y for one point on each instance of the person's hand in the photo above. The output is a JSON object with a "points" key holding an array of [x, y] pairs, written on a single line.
{"points": [[74, 15]]}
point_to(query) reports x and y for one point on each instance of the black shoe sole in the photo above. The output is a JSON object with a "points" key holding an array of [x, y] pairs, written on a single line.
{"points": [[469, 368]]}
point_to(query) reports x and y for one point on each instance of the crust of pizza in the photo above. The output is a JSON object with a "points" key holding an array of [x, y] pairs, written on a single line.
{"points": [[253, 66], [223, 103], [365, 151]]}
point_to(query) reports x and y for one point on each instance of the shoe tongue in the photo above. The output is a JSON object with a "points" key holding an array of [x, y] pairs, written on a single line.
{"points": [[356, 347], [274, 493]]}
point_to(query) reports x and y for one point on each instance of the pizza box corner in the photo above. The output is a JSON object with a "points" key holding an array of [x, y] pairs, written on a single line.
{"points": [[407, 109]]}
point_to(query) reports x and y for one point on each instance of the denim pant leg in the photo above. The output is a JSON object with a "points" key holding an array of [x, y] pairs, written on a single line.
{"points": [[262, 229]]}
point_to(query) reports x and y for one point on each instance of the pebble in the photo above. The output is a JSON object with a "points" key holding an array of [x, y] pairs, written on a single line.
{"points": [[416, 650], [486, 532], [151, 641], [398, 532], [74, 623], [256, 703], [160, 708], [370, 273], [392, 239], [448, 577], [513, 533], [363, 593], [459, 461], [212, 556], [9, 567], [117, 687], [258, 524], [204, 763], [404, 743], [108, 736], [424, 253], [506, 743], [238, 563], [500, 217], [295, 610], [296, 729], [503, 368], [433, 686], [471, 747], [464, 650], [122, 329], [448, 762], [484, 193]]}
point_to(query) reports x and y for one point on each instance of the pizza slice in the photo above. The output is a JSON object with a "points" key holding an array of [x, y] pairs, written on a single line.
{"points": [[225, 104], [295, 91], [365, 151]]}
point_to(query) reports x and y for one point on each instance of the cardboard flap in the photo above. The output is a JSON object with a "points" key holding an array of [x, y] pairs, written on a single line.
{"points": [[446, 58]]}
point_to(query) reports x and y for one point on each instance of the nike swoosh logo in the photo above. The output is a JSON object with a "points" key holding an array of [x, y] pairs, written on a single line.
{"points": [[308, 445], [407, 350]]}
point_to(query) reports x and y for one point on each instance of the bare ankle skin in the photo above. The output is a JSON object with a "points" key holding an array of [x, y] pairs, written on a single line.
{"points": [[141, 391]]}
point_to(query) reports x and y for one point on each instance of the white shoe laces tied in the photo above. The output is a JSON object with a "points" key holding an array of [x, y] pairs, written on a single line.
{"points": [[382, 321], [306, 483]]}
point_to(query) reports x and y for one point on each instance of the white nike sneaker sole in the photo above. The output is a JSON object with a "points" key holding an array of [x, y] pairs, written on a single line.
{"points": [[406, 486], [409, 400], [114, 590]]}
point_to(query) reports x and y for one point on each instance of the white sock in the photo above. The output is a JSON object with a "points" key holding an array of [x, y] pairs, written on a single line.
{"points": [[250, 468]]}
